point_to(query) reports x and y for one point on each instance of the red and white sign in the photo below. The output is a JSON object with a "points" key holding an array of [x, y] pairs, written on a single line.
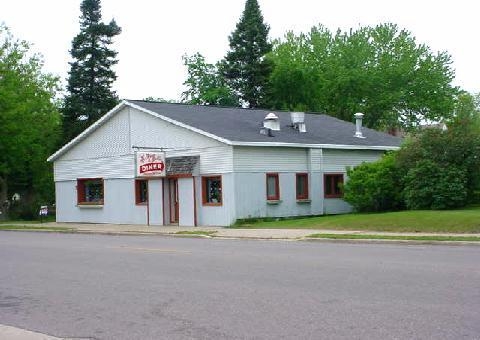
{"points": [[150, 164]]}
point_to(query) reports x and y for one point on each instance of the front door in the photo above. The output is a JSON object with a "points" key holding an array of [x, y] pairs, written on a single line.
{"points": [[173, 189]]}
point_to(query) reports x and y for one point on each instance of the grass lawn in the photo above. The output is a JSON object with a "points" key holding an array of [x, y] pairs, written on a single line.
{"points": [[196, 232], [32, 227], [395, 237], [447, 221]]}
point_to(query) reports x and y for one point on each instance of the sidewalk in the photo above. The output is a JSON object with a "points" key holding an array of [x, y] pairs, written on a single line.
{"points": [[223, 232]]}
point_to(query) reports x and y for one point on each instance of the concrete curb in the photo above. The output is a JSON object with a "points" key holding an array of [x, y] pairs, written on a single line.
{"points": [[386, 241], [235, 233], [251, 237]]}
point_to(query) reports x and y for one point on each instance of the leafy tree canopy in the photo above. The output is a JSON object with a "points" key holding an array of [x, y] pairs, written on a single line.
{"points": [[245, 67], [434, 169], [91, 75], [29, 123], [380, 71], [205, 85]]}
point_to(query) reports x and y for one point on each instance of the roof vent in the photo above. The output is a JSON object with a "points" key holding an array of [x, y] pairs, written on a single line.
{"points": [[298, 121], [271, 122], [358, 123]]}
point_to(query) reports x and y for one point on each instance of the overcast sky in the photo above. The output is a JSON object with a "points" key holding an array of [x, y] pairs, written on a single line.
{"points": [[155, 34]]}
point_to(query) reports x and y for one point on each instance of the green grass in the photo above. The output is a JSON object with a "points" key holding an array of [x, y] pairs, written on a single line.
{"points": [[46, 219], [395, 237], [446, 221], [196, 232], [19, 222], [33, 227]]}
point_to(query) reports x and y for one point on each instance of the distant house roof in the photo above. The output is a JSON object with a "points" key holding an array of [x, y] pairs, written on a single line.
{"points": [[238, 126]]}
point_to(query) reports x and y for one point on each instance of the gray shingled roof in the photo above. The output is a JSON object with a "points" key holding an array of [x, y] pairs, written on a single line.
{"points": [[243, 125]]}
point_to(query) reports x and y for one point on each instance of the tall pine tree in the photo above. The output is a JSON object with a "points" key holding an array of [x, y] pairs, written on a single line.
{"points": [[245, 67], [91, 75]]}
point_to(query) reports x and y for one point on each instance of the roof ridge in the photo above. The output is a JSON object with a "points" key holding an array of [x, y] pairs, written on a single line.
{"points": [[226, 107]]}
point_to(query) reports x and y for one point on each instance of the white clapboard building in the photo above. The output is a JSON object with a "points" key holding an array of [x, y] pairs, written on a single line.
{"points": [[159, 164]]}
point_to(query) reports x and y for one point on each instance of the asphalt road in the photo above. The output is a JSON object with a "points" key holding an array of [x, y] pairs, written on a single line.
{"points": [[151, 287]]}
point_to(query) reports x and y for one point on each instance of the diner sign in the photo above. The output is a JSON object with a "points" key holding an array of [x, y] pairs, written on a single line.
{"points": [[150, 164]]}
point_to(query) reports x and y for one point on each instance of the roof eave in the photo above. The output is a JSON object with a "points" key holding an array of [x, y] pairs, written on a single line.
{"points": [[319, 146]]}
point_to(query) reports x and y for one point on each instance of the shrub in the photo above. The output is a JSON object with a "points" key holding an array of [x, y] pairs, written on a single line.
{"points": [[430, 186], [374, 186]]}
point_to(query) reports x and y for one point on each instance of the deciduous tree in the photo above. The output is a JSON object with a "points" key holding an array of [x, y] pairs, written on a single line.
{"points": [[29, 125], [380, 71], [205, 85], [434, 169]]}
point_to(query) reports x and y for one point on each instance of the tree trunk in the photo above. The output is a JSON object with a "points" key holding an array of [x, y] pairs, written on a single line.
{"points": [[3, 199]]}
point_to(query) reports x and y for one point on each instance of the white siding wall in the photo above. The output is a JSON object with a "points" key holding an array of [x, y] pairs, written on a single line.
{"points": [[155, 202], [223, 215], [316, 181], [105, 167], [119, 206], [111, 139], [107, 153], [252, 202], [270, 159], [336, 206], [147, 131], [339, 160], [186, 201], [251, 165]]}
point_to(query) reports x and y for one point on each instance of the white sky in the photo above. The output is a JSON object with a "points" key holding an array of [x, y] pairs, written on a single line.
{"points": [[155, 34]]}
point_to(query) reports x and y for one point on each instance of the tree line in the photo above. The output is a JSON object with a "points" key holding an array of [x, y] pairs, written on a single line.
{"points": [[381, 71], [34, 122]]}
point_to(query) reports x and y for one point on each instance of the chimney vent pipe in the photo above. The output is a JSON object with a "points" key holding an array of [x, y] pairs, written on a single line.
{"points": [[358, 124]]}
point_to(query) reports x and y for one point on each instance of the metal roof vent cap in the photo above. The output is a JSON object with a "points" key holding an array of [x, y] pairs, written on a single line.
{"points": [[298, 121], [297, 117], [358, 124], [271, 122]]}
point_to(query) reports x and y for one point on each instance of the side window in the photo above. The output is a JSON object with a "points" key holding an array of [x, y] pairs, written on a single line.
{"points": [[332, 184], [141, 191], [302, 186], [273, 187], [90, 191], [212, 190]]}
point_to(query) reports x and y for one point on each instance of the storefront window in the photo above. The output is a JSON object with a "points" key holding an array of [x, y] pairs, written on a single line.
{"points": [[302, 186], [273, 188], [90, 191], [333, 185], [212, 190]]}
